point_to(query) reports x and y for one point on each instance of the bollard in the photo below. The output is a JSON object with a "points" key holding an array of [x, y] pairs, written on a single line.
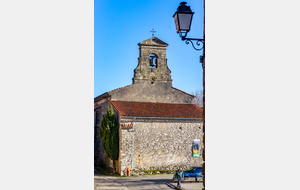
{"points": [[128, 172]]}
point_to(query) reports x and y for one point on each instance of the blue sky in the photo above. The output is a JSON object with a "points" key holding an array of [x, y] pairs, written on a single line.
{"points": [[121, 25]]}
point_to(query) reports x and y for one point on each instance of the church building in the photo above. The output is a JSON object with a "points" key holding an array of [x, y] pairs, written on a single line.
{"points": [[157, 122]]}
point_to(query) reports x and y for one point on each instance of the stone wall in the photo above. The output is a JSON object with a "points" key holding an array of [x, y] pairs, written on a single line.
{"points": [[161, 71], [143, 70], [146, 91], [159, 144]]}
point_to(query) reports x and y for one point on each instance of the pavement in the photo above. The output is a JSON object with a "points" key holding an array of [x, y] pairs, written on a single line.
{"points": [[145, 182]]}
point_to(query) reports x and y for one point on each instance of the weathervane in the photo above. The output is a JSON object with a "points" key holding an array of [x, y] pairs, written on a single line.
{"points": [[153, 32]]}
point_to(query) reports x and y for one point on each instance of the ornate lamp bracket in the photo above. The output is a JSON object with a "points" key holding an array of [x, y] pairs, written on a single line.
{"points": [[198, 42]]}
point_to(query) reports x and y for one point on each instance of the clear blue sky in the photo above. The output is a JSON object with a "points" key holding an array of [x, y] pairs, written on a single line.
{"points": [[121, 25]]}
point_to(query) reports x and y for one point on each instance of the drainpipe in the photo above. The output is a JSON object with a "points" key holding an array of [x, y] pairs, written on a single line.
{"points": [[132, 144]]}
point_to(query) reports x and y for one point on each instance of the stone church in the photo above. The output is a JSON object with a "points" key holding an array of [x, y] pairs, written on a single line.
{"points": [[157, 122]]}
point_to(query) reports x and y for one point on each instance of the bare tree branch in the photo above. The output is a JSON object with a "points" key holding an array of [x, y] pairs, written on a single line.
{"points": [[199, 98]]}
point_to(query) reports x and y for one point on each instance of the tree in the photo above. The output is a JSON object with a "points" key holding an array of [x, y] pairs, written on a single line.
{"points": [[108, 132], [199, 98]]}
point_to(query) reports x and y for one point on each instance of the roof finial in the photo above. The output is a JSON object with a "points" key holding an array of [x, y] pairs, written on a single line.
{"points": [[153, 32]]}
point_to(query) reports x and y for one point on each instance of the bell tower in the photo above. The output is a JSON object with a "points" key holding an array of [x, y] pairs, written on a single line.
{"points": [[152, 63]]}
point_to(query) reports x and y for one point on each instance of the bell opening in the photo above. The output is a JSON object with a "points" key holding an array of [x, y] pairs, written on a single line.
{"points": [[153, 61]]}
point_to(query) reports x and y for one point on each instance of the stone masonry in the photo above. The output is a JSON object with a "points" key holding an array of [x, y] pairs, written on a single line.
{"points": [[150, 84], [152, 143], [159, 144], [143, 71]]}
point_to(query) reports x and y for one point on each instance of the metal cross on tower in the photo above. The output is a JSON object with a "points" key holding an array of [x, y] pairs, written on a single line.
{"points": [[153, 32]]}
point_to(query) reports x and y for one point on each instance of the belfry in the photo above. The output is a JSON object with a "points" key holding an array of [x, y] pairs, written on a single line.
{"points": [[152, 62]]}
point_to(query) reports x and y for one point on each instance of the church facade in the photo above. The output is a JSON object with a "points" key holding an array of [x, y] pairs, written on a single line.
{"points": [[157, 122]]}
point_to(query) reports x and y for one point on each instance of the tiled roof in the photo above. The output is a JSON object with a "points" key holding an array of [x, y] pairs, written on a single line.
{"points": [[152, 109]]}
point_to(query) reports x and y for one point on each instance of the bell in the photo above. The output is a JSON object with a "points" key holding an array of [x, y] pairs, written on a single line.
{"points": [[152, 61]]}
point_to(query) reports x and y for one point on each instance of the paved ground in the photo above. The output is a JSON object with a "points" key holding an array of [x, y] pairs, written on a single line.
{"points": [[146, 182]]}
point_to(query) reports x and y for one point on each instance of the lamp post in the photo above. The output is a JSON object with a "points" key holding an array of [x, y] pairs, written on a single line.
{"points": [[183, 19]]}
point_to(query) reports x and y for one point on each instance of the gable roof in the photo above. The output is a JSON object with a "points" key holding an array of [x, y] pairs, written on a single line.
{"points": [[184, 92], [154, 109], [154, 41], [100, 97], [107, 94]]}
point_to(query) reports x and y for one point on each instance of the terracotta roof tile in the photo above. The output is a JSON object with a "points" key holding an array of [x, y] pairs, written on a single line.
{"points": [[152, 109]]}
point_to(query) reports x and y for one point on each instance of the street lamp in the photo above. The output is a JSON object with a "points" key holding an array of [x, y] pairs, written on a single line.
{"points": [[183, 19]]}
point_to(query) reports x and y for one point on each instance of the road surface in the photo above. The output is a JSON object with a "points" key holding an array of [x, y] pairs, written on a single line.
{"points": [[145, 182]]}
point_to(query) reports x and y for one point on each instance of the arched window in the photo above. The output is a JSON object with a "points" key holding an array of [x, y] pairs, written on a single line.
{"points": [[153, 61]]}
